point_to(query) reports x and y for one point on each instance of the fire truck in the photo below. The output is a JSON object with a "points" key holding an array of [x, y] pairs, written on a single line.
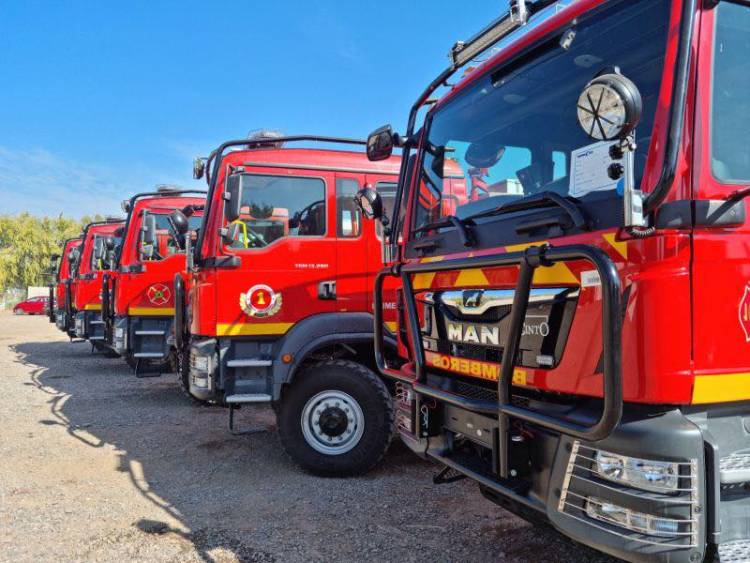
{"points": [[278, 305], [137, 296], [577, 335], [60, 296], [88, 268]]}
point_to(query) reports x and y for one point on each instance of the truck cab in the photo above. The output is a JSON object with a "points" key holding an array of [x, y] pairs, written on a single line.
{"points": [[578, 324], [88, 269], [61, 296], [279, 306], [138, 301]]}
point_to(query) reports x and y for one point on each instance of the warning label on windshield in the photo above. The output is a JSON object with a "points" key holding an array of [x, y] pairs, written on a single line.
{"points": [[589, 170]]}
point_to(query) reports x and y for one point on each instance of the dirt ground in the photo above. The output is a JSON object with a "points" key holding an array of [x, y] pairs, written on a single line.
{"points": [[98, 465]]}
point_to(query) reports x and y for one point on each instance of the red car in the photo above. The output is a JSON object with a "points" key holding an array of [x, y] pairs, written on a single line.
{"points": [[32, 306]]}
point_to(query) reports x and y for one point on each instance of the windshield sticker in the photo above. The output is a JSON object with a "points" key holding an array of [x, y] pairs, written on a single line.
{"points": [[590, 170]]}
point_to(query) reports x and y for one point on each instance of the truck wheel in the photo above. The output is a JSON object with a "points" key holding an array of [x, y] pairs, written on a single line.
{"points": [[336, 418]]}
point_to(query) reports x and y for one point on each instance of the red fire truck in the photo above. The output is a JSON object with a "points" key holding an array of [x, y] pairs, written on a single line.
{"points": [[88, 269], [279, 300], [137, 296], [578, 334], [60, 297]]}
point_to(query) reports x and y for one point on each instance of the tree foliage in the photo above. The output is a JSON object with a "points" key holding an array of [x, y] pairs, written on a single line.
{"points": [[28, 242]]}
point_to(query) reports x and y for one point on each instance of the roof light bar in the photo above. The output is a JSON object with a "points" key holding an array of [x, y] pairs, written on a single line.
{"points": [[464, 51]]}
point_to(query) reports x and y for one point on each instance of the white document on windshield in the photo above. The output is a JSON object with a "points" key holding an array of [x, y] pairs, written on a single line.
{"points": [[589, 170]]}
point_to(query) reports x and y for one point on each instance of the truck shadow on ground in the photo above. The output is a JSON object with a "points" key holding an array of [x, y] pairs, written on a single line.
{"points": [[229, 496]]}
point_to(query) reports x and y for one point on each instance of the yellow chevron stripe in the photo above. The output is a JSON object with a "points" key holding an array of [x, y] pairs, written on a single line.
{"points": [[424, 281], [474, 277], [93, 307], [151, 311], [252, 329], [621, 247], [557, 273], [721, 388]]}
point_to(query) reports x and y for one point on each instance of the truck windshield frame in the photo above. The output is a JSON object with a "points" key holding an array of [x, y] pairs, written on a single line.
{"points": [[520, 120]]}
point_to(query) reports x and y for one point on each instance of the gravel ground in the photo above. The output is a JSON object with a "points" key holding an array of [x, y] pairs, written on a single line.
{"points": [[98, 465]]}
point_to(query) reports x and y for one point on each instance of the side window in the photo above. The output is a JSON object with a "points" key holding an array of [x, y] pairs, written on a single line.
{"points": [[348, 215], [730, 105], [277, 207], [166, 241]]}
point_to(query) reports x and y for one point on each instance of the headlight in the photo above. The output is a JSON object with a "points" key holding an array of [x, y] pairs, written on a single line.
{"points": [[201, 363], [637, 521], [649, 475], [119, 333]]}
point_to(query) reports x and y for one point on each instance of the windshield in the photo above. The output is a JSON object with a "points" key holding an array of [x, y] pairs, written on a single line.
{"points": [[514, 132], [276, 207]]}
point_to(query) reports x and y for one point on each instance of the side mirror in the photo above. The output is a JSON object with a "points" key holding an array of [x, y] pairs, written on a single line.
{"points": [[380, 143], [99, 249], [179, 221], [370, 203], [199, 167], [148, 236], [73, 256], [232, 198], [231, 233], [609, 107]]}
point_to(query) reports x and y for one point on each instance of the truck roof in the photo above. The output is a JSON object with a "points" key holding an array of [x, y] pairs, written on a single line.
{"points": [[313, 159]]}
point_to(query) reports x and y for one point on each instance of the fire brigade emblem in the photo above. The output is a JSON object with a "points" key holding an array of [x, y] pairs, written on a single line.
{"points": [[159, 294], [745, 312], [260, 301]]}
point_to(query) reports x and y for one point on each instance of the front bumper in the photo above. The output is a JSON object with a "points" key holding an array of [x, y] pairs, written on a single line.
{"points": [[555, 478], [143, 337]]}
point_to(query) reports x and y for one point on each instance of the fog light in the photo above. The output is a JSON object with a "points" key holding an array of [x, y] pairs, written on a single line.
{"points": [[201, 363], [649, 475], [610, 513], [200, 381]]}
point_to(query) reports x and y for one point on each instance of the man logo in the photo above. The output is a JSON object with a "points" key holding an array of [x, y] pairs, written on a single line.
{"points": [[473, 298]]}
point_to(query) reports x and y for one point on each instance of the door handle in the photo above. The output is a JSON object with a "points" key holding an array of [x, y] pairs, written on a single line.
{"points": [[327, 290]]}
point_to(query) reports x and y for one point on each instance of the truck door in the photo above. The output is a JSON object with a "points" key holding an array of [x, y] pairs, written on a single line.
{"points": [[359, 242], [285, 242]]}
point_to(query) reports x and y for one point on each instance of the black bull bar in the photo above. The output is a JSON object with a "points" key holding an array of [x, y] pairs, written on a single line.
{"points": [[529, 260]]}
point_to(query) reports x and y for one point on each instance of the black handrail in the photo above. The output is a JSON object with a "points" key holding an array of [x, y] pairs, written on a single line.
{"points": [[528, 260]]}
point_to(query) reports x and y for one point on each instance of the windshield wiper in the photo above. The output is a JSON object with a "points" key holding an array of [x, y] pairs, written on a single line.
{"points": [[534, 201], [467, 237]]}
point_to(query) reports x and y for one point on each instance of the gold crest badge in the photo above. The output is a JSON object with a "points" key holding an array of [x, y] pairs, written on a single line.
{"points": [[260, 301]]}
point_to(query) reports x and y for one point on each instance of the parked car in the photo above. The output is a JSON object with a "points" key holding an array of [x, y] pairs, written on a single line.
{"points": [[32, 306]]}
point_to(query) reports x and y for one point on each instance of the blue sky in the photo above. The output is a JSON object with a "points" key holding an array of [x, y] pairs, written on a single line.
{"points": [[99, 100]]}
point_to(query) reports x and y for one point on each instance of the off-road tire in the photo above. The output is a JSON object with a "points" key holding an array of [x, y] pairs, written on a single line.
{"points": [[361, 384]]}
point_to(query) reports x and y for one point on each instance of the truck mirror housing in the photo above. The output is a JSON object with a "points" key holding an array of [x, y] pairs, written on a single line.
{"points": [[232, 198], [380, 143], [369, 201], [609, 107], [179, 221], [148, 236], [231, 233], [199, 167]]}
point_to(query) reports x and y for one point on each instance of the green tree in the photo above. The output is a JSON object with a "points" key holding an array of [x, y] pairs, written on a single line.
{"points": [[28, 242]]}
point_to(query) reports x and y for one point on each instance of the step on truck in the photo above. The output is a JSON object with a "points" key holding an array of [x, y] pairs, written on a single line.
{"points": [[88, 268], [278, 309], [137, 293], [61, 288], [579, 331]]}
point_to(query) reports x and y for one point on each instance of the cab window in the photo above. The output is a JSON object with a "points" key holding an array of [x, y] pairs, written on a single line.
{"points": [[387, 191], [348, 215], [278, 207], [730, 104], [167, 242]]}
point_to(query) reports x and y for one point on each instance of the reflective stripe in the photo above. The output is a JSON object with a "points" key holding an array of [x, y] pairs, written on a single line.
{"points": [[151, 311], [252, 329], [93, 307], [721, 388]]}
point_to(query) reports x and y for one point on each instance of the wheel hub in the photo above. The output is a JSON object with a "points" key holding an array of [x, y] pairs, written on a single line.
{"points": [[332, 422]]}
